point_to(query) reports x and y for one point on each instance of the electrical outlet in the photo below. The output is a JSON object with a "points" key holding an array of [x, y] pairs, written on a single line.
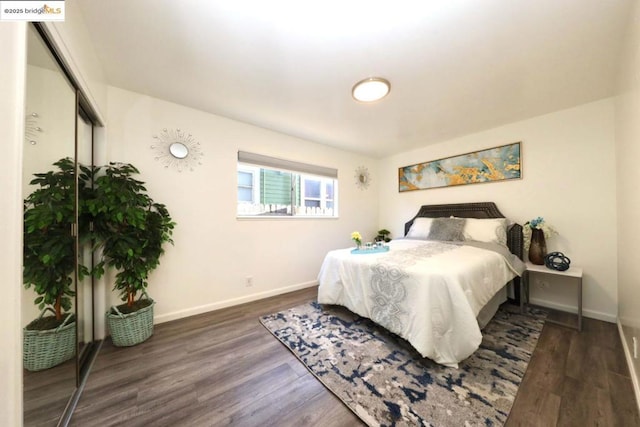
{"points": [[635, 348], [249, 281]]}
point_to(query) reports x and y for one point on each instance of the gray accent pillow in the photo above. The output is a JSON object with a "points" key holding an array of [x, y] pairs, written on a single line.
{"points": [[447, 229]]}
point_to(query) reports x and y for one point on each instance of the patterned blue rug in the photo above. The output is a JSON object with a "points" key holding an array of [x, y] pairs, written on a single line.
{"points": [[385, 382]]}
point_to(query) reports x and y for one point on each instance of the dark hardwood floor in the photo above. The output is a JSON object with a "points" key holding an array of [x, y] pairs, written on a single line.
{"points": [[46, 393], [225, 368]]}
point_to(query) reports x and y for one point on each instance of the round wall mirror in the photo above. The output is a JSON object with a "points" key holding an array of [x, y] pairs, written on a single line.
{"points": [[178, 150]]}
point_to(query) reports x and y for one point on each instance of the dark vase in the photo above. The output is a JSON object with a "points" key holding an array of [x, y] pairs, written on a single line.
{"points": [[538, 247]]}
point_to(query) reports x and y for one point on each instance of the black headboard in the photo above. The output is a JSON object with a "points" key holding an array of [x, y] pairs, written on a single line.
{"points": [[471, 210], [474, 210]]}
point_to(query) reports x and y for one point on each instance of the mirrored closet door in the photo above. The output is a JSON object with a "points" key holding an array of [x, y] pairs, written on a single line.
{"points": [[84, 293], [57, 298]]}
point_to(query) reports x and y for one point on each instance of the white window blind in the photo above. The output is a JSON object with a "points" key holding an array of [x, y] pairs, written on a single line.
{"points": [[273, 187], [282, 164]]}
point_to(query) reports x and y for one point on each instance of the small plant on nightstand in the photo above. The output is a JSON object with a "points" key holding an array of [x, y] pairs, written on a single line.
{"points": [[383, 236]]}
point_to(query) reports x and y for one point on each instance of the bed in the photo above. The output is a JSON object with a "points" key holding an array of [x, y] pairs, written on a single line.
{"points": [[438, 285]]}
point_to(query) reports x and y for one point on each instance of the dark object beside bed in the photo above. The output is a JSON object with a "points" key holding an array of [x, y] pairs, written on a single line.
{"points": [[476, 210]]}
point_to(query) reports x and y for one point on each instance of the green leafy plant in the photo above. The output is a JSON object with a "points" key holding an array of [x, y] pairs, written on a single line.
{"points": [[130, 227], [383, 236], [49, 256]]}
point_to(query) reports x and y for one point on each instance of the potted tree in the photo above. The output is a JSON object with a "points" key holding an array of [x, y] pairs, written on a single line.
{"points": [[49, 262], [131, 229]]}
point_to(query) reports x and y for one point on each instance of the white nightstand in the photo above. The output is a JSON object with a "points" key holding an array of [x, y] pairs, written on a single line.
{"points": [[574, 272]]}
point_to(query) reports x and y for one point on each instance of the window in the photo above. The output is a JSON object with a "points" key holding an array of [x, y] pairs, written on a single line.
{"points": [[246, 185], [318, 192], [274, 187]]}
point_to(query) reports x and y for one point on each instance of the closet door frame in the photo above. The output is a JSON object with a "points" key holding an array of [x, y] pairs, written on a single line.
{"points": [[84, 361]]}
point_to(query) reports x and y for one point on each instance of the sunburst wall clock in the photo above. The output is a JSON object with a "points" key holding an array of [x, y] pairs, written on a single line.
{"points": [[177, 149], [363, 178], [32, 128]]}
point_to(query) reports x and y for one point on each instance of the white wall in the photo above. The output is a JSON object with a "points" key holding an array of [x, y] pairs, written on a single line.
{"points": [[214, 251], [568, 178], [49, 95], [12, 101], [627, 159]]}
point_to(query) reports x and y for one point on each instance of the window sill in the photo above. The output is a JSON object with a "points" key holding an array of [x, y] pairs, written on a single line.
{"points": [[281, 217]]}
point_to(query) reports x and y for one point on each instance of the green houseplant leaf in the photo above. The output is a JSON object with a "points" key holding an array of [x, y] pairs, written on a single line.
{"points": [[383, 235], [130, 227], [48, 250]]}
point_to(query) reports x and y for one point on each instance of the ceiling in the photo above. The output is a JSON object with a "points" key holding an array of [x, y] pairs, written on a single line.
{"points": [[455, 66]]}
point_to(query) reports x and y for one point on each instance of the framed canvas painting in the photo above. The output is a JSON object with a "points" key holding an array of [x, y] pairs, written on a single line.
{"points": [[490, 165]]}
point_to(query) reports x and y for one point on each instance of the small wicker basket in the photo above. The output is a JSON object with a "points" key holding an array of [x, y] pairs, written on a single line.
{"points": [[132, 328], [46, 349]]}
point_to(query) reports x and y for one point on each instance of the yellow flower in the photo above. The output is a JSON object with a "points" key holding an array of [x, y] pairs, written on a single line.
{"points": [[356, 237]]}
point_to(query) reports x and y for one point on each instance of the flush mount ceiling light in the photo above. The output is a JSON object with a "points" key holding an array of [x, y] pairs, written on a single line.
{"points": [[371, 89]]}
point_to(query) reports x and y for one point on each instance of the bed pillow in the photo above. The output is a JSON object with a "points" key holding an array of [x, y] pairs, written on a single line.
{"points": [[491, 230], [447, 229], [420, 229]]}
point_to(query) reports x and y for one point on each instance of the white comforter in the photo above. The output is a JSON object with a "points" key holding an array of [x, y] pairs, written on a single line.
{"points": [[426, 292]]}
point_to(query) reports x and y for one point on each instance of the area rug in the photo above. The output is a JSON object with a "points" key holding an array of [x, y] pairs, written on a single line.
{"points": [[385, 382]]}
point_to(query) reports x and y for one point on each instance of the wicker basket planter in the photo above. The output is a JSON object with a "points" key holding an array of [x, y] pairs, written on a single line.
{"points": [[46, 349], [132, 328]]}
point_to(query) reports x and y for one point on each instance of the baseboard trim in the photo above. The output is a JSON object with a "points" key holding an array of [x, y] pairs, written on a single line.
{"points": [[167, 317], [605, 317], [630, 364]]}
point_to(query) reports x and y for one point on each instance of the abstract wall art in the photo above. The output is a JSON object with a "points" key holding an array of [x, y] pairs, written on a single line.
{"points": [[490, 165]]}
